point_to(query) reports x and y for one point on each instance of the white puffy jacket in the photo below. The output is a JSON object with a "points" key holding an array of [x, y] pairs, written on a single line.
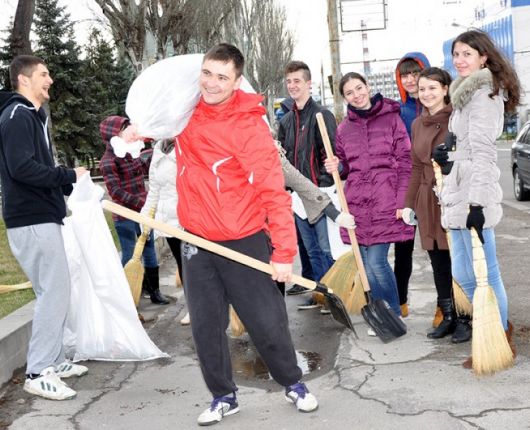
{"points": [[163, 187]]}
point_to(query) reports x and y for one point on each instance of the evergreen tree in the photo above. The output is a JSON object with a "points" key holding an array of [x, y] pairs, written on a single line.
{"points": [[69, 98], [110, 81], [6, 55]]}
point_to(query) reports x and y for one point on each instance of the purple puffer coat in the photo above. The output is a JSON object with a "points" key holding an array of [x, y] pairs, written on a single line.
{"points": [[374, 149]]}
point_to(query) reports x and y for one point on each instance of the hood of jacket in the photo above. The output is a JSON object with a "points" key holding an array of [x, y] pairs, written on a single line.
{"points": [[9, 97], [110, 127], [380, 106], [462, 89], [241, 103], [422, 61]]}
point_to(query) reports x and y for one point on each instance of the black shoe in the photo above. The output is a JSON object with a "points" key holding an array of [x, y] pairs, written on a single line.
{"points": [[158, 298], [295, 290], [463, 330], [448, 324]]}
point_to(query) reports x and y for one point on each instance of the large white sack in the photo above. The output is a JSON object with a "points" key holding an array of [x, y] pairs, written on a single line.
{"points": [[162, 98], [102, 323]]}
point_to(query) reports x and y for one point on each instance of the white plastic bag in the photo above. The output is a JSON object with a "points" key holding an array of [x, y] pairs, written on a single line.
{"points": [[102, 323], [162, 98]]}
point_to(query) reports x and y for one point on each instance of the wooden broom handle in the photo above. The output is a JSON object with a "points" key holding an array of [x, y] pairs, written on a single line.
{"points": [[201, 242], [140, 244], [480, 266], [343, 202]]}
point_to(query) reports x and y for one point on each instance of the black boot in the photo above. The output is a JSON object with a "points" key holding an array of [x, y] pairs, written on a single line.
{"points": [[151, 273], [463, 329], [448, 324]]}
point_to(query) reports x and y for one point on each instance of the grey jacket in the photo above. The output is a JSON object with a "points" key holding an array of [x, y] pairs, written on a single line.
{"points": [[315, 201], [477, 121]]}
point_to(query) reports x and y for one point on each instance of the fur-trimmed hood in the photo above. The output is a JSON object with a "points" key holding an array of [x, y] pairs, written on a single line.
{"points": [[462, 89]]}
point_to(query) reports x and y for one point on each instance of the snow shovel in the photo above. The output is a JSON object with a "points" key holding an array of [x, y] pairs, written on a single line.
{"points": [[377, 313], [338, 311]]}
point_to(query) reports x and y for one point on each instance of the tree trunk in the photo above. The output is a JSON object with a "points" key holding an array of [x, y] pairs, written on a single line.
{"points": [[22, 26]]}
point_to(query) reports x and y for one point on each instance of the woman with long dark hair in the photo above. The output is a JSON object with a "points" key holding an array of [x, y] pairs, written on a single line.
{"points": [[486, 87], [428, 131]]}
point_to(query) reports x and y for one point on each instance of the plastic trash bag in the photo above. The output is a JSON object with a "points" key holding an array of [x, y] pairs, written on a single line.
{"points": [[162, 98], [102, 323]]}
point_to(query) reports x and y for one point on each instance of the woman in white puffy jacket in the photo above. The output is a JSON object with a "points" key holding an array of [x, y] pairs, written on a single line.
{"points": [[471, 196], [163, 196]]}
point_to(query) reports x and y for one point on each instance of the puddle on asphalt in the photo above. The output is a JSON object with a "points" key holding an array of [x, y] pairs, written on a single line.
{"points": [[246, 361]]}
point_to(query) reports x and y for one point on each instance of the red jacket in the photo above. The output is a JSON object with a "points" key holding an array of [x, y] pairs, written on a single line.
{"points": [[229, 181]]}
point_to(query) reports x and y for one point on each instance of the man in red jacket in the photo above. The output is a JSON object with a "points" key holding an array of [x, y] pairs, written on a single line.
{"points": [[232, 192]]}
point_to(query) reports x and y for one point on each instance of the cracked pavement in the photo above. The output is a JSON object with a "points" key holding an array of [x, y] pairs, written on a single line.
{"points": [[413, 382]]}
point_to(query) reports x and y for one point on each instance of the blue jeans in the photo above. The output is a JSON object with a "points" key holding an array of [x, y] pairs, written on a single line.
{"points": [[380, 274], [462, 267], [316, 242], [128, 231]]}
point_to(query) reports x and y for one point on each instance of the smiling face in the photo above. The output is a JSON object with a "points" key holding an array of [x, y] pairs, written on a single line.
{"points": [[431, 94], [36, 86], [218, 81], [357, 94], [298, 87], [467, 59], [410, 83]]}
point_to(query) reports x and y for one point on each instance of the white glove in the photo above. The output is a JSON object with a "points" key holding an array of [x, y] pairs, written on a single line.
{"points": [[345, 220]]}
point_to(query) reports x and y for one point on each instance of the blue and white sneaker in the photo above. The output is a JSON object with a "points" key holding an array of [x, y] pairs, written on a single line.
{"points": [[301, 397], [68, 369], [221, 407]]}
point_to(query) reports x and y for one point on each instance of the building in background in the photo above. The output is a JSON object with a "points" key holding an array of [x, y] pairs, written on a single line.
{"points": [[507, 23]]}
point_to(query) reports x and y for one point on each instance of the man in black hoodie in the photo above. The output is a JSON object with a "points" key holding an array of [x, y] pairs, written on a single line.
{"points": [[33, 208]]}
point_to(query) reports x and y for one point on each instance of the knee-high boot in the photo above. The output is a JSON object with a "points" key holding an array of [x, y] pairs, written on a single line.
{"points": [[448, 324], [151, 273]]}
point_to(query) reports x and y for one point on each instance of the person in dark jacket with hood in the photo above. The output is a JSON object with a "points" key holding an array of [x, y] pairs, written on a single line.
{"points": [[300, 137], [124, 178], [33, 208], [407, 74]]}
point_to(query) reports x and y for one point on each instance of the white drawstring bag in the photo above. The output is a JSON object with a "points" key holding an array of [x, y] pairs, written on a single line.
{"points": [[102, 322], [162, 98]]}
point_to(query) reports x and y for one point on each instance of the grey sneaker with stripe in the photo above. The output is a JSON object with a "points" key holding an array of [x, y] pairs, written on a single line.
{"points": [[49, 386]]}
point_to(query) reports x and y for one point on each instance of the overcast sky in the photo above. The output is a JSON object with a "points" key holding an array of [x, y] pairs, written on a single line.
{"points": [[412, 25]]}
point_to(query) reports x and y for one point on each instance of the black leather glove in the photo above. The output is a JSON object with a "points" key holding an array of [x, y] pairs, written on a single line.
{"points": [[441, 156], [440, 153], [475, 219]]}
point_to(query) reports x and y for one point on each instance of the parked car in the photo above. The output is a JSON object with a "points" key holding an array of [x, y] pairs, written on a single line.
{"points": [[520, 158]]}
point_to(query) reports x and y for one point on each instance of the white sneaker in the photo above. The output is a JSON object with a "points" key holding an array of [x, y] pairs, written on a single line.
{"points": [[68, 369], [185, 320], [371, 332], [221, 407], [49, 386], [301, 397]]}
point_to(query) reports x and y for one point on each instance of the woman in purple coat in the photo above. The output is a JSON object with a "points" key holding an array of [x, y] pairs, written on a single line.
{"points": [[373, 150]]}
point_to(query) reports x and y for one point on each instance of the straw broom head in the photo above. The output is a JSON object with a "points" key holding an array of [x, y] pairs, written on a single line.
{"points": [[236, 326], [490, 349], [462, 304], [343, 279], [134, 270]]}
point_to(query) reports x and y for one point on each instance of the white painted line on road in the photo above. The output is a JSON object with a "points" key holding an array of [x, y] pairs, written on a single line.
{"points": [[504, 149]]}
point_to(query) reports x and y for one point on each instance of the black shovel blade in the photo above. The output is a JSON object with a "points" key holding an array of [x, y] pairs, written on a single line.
{"points": [[336, 307], [386, 324]]}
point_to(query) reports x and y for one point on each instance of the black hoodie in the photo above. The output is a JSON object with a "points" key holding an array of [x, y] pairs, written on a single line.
{"points": [[32, 186]]}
